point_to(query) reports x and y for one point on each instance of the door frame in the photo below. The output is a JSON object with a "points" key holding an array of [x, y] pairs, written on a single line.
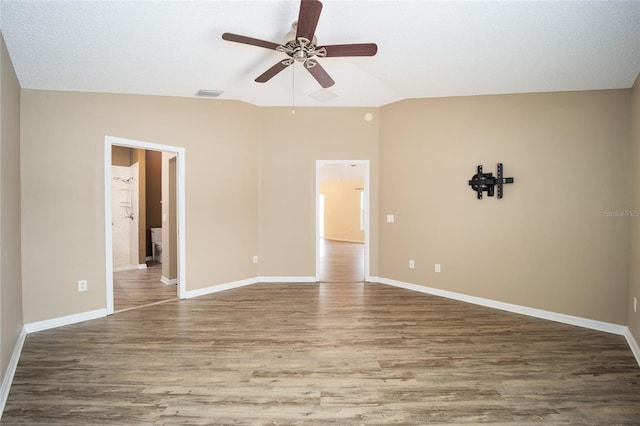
{"points": [[367, 198], [109, 142]]}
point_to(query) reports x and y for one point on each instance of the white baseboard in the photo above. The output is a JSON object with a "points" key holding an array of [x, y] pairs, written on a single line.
{"points": [[11, 370], [533, 312], [167, 281], [130, 268], [66, 320], [220, 287], [524, 310], [633, 344], [249, 281]]}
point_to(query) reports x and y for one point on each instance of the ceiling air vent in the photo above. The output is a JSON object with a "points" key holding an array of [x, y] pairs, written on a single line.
{"points": [[323, 95], [209, 93]]}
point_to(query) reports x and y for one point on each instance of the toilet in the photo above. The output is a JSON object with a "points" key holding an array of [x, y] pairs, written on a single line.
{"points": [[156, 244]]}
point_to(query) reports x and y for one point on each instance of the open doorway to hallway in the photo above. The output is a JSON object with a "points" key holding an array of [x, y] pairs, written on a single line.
{"points": [[342, 221], [144, 226]]}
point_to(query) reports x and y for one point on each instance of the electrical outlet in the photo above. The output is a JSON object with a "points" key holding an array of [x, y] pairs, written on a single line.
{"points": [[82, 285], [635, 304], [412, 264], [438, 268], [255, 259]]}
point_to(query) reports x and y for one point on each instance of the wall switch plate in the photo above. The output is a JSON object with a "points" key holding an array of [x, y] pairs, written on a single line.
{"points": [[412, 264], [438, 268], [82, 285], [390, 218], [255, 259], [635, 304]]}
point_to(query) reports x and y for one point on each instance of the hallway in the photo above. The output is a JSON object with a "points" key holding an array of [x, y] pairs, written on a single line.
{"points": [[140, 287], [341, 262]]}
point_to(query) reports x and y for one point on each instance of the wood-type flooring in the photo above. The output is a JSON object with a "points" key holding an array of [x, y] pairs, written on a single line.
{"points": [[327, 353], [140, 287], [341, 261]]}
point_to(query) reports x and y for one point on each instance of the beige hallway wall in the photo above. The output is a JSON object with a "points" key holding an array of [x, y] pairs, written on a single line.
{"points": [[634, 278], [289, 147], [63, 186], [554, 242], [11, 320], [342, 209]]}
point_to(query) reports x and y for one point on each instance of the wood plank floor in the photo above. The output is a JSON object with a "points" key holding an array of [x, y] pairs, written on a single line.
{"points": [[341, 261], [140, 287], [322, 354]]}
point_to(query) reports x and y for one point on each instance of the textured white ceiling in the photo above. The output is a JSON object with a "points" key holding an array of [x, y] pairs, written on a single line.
{"points": [[425, 48]]}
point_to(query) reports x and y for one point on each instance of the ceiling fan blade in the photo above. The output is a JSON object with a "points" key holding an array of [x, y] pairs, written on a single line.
{"points": [[360, 49], [320, 75], [308, 18], [271, 72], [249, 40]]}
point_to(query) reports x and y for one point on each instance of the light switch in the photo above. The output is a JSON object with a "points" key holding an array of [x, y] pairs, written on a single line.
{"points": [[390, 218]]}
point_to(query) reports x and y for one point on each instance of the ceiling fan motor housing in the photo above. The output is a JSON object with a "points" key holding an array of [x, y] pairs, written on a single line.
{"points": [[301, 49]]}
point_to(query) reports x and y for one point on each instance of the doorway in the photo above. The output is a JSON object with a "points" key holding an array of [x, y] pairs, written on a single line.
{"points": [[342, 220], [145, 278]]}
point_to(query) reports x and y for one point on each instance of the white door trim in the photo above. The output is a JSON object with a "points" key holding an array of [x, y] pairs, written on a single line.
{"points": [[319, 164], [110, 141]]}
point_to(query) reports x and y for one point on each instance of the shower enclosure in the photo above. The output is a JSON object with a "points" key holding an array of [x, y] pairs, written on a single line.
{"points": [[124, 213]]}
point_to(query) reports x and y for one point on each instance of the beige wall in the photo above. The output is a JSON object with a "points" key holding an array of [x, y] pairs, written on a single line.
{"points": [[121, 156], [548, 243], [63, 186], [634, 278], [342, 209], [289, 147], [11, 321]]}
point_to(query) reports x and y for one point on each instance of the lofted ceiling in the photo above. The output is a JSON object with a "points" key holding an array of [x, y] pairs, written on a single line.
{"points": [[425, 48]]}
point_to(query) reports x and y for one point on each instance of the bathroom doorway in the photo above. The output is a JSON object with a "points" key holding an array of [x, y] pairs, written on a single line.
{"points": [[342, 220], [144, 211]]}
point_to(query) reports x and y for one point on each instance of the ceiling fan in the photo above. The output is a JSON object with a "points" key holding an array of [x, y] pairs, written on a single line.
{"points": [[301, 46]]}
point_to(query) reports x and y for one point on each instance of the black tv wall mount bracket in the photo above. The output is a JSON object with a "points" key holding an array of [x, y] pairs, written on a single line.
{"points": [[481, 182]]}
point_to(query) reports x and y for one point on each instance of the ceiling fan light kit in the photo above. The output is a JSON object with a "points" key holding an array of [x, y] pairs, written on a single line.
{"points": [[301, 45]]}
